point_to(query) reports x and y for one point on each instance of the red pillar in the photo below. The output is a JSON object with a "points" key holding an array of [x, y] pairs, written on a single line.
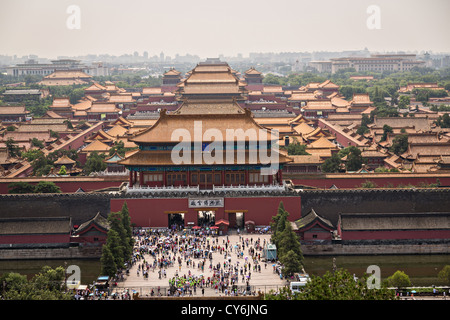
{"points": [[223, 176], [280, 176], [246, 176], [130, 183], [164, 177], [141, 178], [188, 173]]}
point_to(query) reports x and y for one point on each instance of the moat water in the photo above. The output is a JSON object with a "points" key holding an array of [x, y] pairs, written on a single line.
{"points": [[422, 269]]}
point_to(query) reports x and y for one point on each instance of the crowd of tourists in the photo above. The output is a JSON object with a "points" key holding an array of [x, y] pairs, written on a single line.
{"points": [[191, 251]]}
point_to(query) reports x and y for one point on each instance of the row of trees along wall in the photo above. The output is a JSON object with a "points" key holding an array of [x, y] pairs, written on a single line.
{"points": [[119, 245], [289, 252]]}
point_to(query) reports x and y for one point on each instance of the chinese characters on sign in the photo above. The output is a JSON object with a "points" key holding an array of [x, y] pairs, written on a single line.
{"points": [[206, 203]]}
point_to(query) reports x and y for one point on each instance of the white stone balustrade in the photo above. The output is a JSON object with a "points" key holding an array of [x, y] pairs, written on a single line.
{"points": [[239, 188]]}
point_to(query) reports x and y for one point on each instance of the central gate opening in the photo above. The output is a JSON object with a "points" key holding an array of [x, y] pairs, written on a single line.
{"points": [[236, 219], [206, 218], [176, 221]]}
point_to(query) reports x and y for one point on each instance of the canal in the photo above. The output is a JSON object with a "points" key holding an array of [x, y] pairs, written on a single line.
{"points": [[422, 269], [90, 269]]}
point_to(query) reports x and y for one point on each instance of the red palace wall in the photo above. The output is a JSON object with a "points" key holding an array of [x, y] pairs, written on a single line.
{"points": [[395, 235], [319, 235], [59, 238], [149, 212], [68, 185], [355, 181]]}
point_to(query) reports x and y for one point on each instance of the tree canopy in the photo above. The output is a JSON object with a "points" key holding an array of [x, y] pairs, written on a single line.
{"points": [[443, 121], [332, 164], [399, 144], [354, 159], [94, 163], [296, 148], [119, 246], [337, 285], [399, 280], [444, 274], [287, 242], [25, 187], [46, 285]]}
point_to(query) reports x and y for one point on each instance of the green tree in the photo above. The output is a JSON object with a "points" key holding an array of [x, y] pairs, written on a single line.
{"points": [[115, 245], [126, 221], [399, 280], [338, 285], [444, 274], [386, 130], [46, 187], [354, 158], [38, 108], [12, 147], [296, 148], [54, 134], [119, 245], [273, 79], [332, 164], [377, 95], [75, 95], [443, 121], [68, 123], [278, 223], [366, 120], [31, 154], [37, 143], [116, 220], [292, 263], [119, 148], [384, 111], [368, 185], [289, 250], [55, 155], [108, 265], [399, 144], [41, 164], [20, 188], [14, 286], [404, 102], [62, 171], [94, 163], [349, 90], [362, 130], [286, 240], [46, 285]]}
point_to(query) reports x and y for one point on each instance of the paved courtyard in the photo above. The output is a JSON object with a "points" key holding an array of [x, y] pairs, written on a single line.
{"points": [[264, 280]]}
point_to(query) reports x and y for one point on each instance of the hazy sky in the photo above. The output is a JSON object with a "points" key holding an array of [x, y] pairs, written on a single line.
{"points": [[209, 27]]}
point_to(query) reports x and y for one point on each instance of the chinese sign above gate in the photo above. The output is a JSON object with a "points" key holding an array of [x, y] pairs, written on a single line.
{"points": [[205, 203]]}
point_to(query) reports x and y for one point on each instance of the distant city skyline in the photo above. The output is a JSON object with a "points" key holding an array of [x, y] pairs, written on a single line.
{"points": [[52, 28]]}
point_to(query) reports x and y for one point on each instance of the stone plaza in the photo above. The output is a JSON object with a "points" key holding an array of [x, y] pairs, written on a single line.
{"points": [[263, 280]]}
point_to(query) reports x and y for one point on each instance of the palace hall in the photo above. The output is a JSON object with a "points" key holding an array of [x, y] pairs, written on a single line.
{"points": [[208, 162]]}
